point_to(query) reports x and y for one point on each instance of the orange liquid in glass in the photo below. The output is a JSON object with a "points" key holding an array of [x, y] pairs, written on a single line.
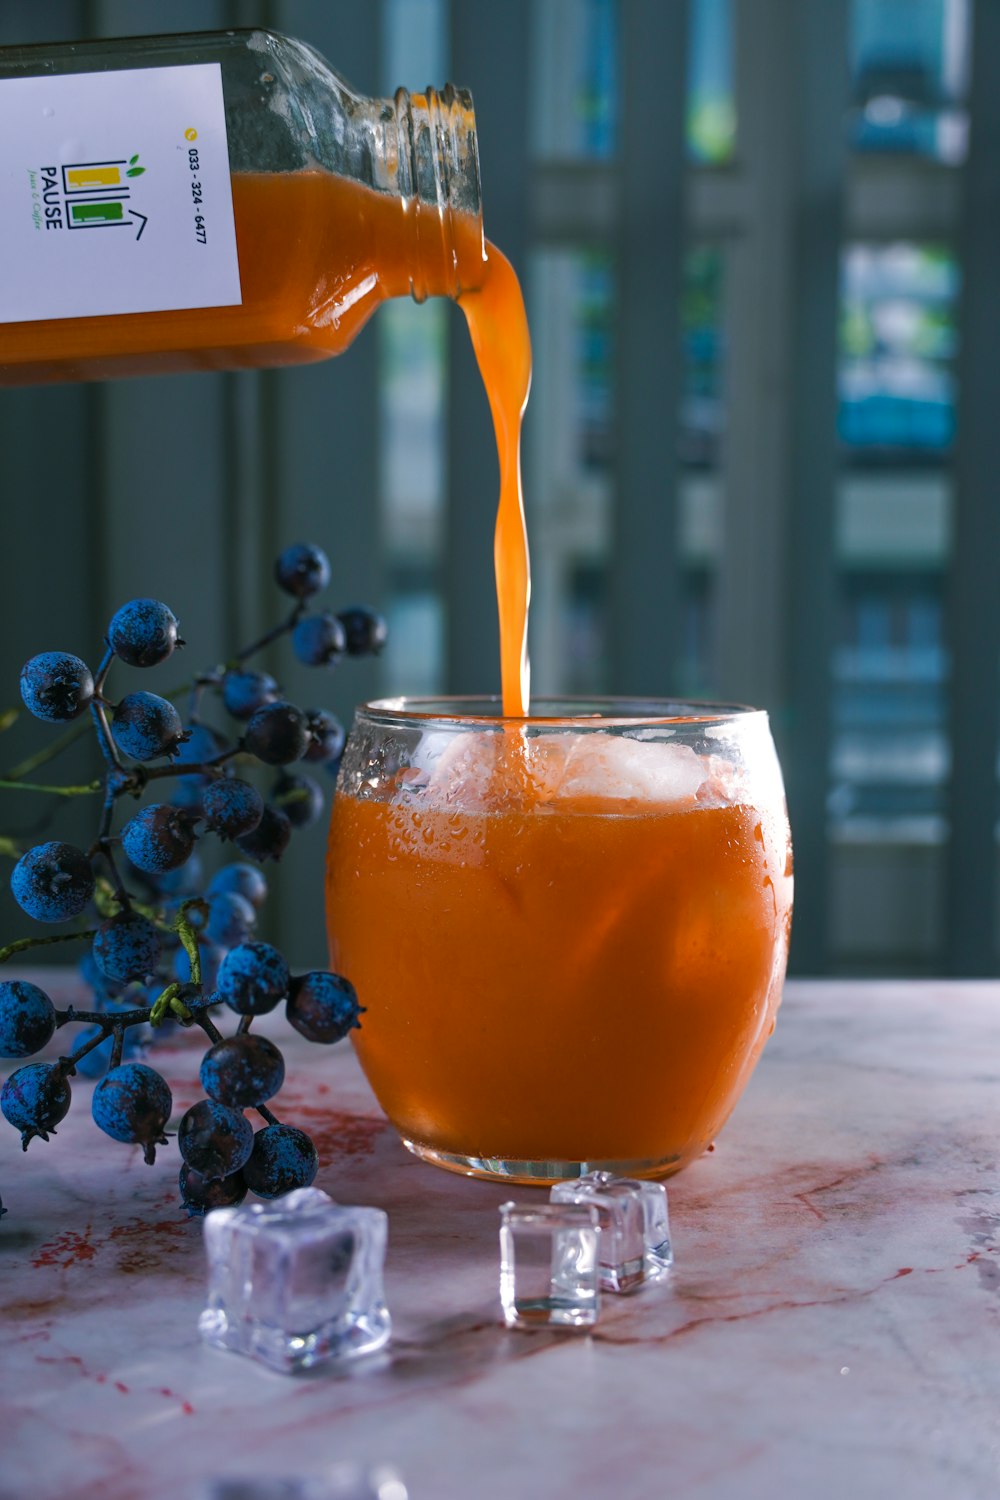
{"points": [[566, 985]]}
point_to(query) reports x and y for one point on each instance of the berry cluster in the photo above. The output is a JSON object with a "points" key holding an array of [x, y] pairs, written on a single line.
{"points": [[162, 950]]}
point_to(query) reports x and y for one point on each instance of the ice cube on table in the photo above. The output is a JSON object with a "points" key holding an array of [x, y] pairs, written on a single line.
{"points": [[344, 1482], [548, 1265], [296, 1281], [635, 1226]]}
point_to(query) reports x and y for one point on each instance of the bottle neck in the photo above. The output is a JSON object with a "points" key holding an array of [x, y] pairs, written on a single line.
{"points": [[435, 170]]}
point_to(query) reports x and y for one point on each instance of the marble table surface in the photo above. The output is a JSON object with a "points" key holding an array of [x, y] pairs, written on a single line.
{"points": [[832, 1326]]}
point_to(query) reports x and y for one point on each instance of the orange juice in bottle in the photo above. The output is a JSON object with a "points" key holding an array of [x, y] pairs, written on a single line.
{"points": [[218, 200]]}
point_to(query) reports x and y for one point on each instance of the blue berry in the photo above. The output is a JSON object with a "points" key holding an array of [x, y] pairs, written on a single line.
{"points": [[199, 1195], [302, 569], [283, 1158], [214, 1139], [145, 726], [319, 640], [300, 798], [277, 734], [323, 1007], [244, 692], [231, 919], [269, 839], [366, 632], [94, 1064], [27, 1018], [253, 978], [231, 807], [132, 1104], [159, 838], [195, 913], [143, 633], [186, 793], [56, 686], [35, 1099], [104, 990], [245, 880], [202, 745], [242, 1071], [184, 881], [52, 882], [326, 737], [126, 946]]}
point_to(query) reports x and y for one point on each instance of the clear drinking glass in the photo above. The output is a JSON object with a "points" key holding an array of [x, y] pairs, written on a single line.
{"points": [[570, 931]]}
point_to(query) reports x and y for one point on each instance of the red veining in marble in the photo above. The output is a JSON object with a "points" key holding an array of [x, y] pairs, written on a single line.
{"points": [[806, 1195], [145, 1245], [186, 1406], [67, 1249], [142, 1244], [336, 1133]]}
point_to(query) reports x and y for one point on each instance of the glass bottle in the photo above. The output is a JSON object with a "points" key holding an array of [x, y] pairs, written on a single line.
{"points": [[217, 201]]}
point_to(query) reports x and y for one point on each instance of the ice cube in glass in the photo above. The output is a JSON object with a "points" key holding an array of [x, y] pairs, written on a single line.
{"points": [[548, 1265], [635, 1229], [296, 1281]]}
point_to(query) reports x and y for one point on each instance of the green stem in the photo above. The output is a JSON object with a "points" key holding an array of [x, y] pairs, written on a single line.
{"points": [[54, 791], [23, 944], [161, 1008], [189, 939], [8, 847]]}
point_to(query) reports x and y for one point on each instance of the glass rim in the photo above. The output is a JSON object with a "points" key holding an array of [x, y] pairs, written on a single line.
{"points": [[583, 710]]}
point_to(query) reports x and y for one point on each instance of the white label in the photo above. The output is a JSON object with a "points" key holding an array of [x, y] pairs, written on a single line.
{"points": [[115, 194]]}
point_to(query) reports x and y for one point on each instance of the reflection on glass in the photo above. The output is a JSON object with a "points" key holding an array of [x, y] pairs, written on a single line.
{"points": [[711, 105], [910, 65]]}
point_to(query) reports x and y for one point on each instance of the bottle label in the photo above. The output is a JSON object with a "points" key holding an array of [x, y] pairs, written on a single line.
{"points": [[116, 195]]}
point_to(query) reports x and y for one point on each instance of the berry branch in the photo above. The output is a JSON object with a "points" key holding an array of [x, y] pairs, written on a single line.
{"points": [[161, 953]]}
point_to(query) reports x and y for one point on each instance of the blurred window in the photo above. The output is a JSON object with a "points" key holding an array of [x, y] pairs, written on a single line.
{"points": [[910, 66], [711, 105], [412, 383], [575, 62]]}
